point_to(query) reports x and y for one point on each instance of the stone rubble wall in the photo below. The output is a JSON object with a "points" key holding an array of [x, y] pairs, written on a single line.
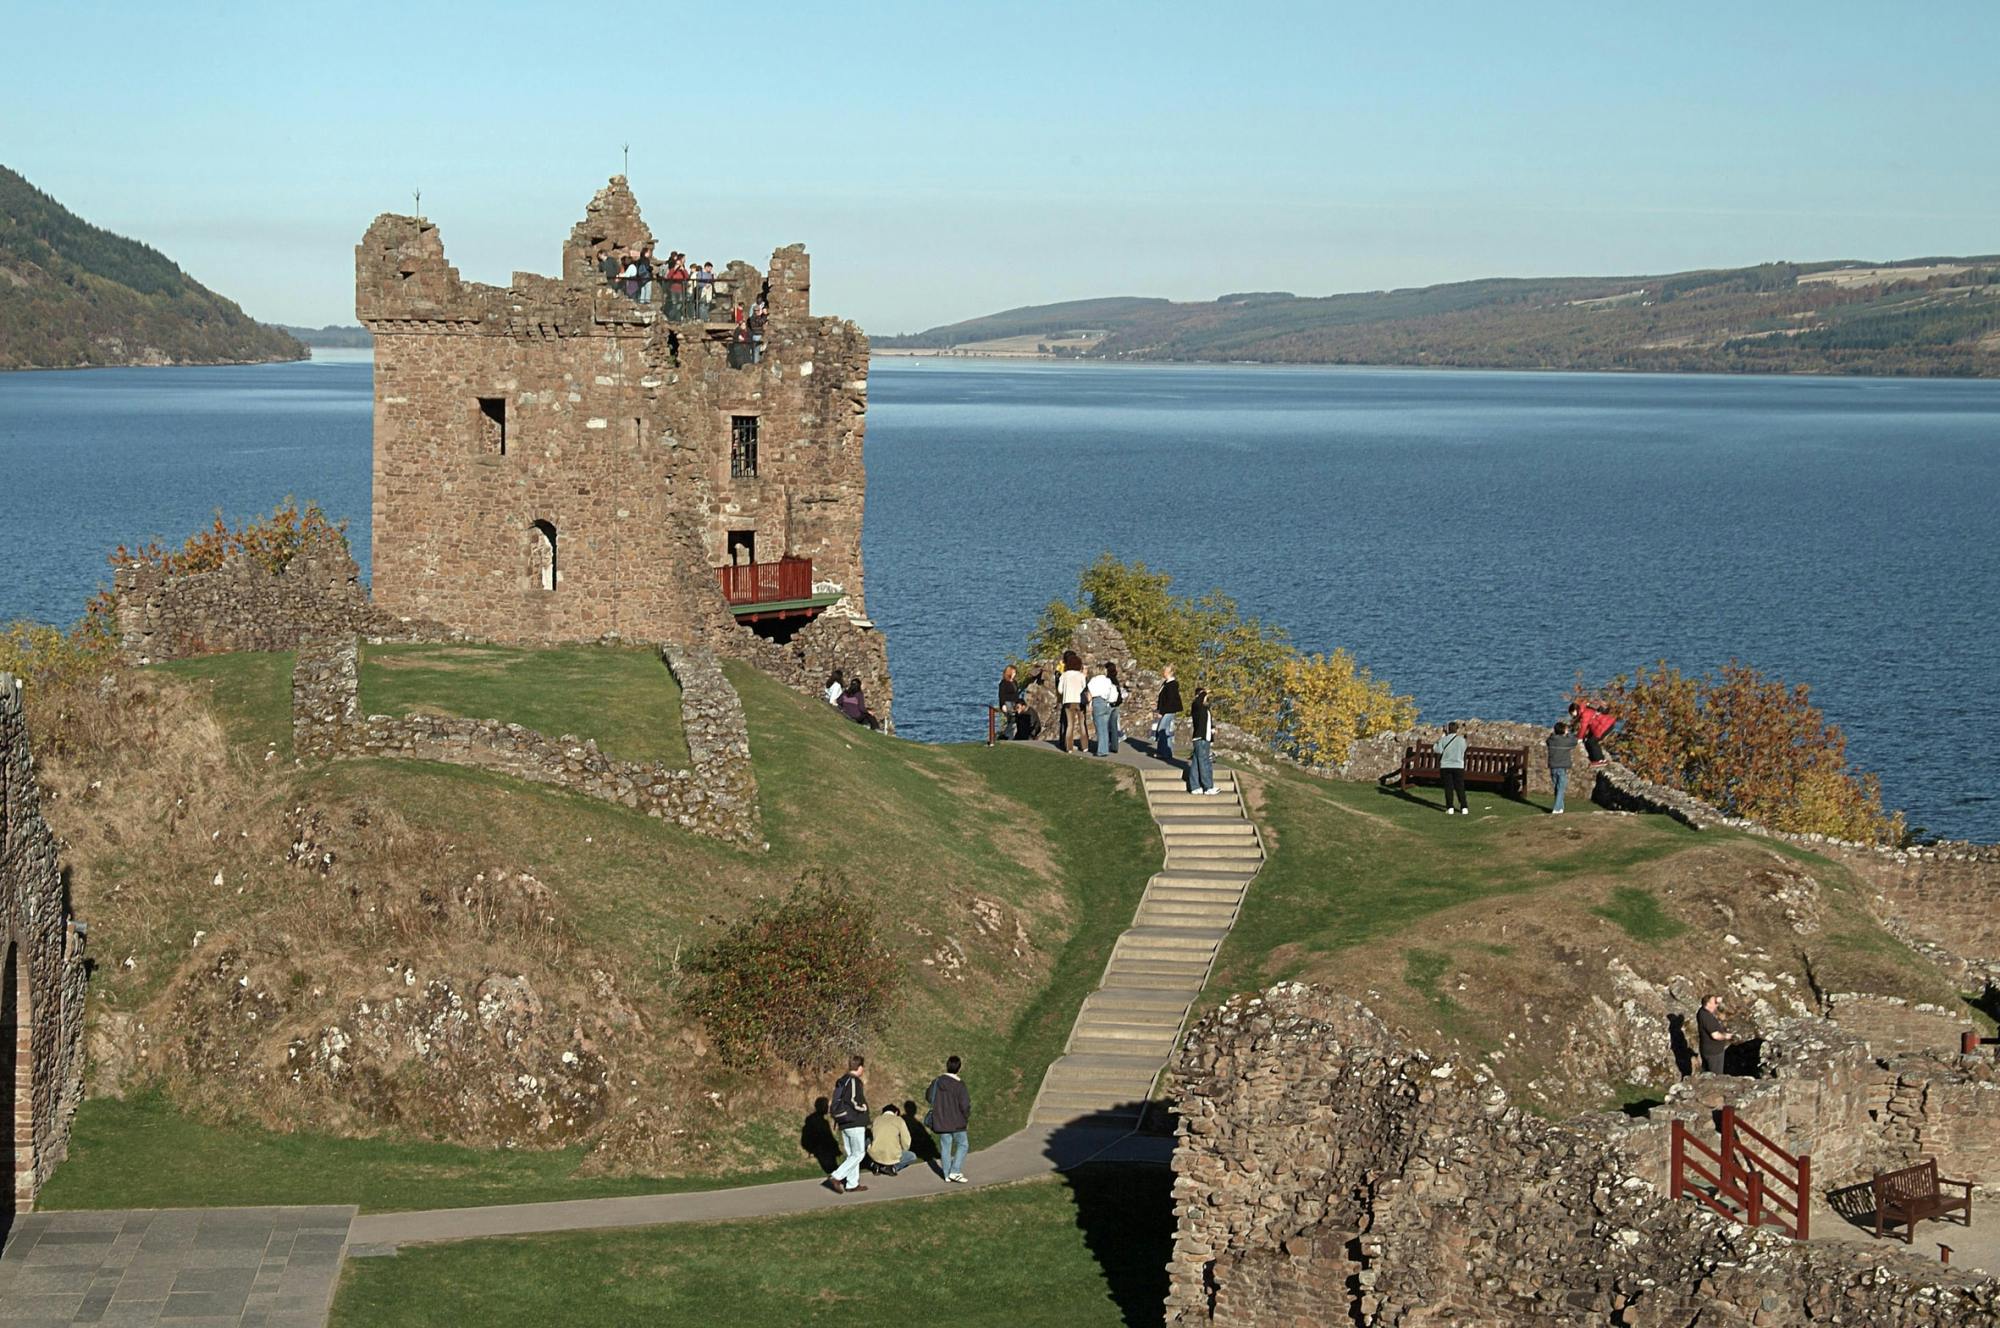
{"points": [[829, 644], [1325, 1173], [47, 944], [317, 596], [715, 796]]}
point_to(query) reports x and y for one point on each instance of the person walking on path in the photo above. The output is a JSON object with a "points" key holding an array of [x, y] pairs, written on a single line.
{"points": [[1167, 707], [1069, 690], [849, 1109], [1451, 769], [1009, 702], [1713, 1036], [950, 1114], [1103, 696], [1593, 726], [1562, 752], [889, 1151], [1201, 732]]}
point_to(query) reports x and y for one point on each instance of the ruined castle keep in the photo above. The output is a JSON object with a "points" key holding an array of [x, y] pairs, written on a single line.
{"points": [[42, 975], [559, 460]]}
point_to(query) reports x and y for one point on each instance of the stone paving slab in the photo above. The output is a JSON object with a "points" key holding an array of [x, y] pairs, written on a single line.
{"points": [[228, 1267]]}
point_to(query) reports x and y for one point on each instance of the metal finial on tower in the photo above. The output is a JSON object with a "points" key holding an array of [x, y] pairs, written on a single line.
{"points": [[418, 195], [626, 148]]}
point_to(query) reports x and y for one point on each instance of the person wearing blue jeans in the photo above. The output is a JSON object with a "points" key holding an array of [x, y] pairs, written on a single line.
{"points": [[1562, 755], [1167, 706], [849, 1110], [1201, 730], [1103, 695], [950, 1114]]}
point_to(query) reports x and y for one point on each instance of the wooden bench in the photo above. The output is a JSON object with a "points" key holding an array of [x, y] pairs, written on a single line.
{"points": [[1504, 768], [1915, 1193]]}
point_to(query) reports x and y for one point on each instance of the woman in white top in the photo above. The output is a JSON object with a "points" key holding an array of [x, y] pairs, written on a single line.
{"points": [[1103, 695]]}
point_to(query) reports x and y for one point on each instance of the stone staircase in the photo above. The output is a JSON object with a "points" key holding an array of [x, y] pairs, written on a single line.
{"points": [[1127, 1028]]}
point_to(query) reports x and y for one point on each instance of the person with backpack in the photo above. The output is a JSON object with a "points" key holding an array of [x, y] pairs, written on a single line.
{"points": [[950, 1113], [1451, 769], [1562, 753], [1201, 731], [1167, 706], [849, 1109]]}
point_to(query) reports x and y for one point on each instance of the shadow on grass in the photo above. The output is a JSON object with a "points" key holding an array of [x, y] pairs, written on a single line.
{"points": [[1123, 1196]]}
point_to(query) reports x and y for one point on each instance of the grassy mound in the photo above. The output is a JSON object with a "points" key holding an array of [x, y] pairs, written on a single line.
{"points": [[1520, 937], [242, 906]]}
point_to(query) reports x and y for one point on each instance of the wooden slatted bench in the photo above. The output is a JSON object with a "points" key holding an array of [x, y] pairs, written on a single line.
{"points": [[1504, 768], [1915, 1193]]}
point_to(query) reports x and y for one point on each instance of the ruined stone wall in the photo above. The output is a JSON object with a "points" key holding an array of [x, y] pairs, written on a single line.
{"points": [[240, 606], [46, 947], [617, 436], [831, 644], [1327, 1174], [716, 795]]}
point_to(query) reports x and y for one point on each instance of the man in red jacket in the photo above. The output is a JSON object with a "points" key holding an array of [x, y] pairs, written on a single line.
{"points": [[1592, 725]]}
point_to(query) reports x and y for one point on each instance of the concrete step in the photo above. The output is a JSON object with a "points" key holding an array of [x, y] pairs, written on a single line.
{"points": [[1185, 977], [1175, 938], [1177, 796], [1115, 1077], [1140, 1002], [1234, 826], [1209, 836], [1215, 855], [1159, 1048], [1139, 1036], [1184, 915], [1156, 775], [1193, 904], [1226, 895], [1055, 1115], [1195, 878]]}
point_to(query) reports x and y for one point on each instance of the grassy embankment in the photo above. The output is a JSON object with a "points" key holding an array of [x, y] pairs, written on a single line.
{"points": [[1464, 930], [1064, 849]]}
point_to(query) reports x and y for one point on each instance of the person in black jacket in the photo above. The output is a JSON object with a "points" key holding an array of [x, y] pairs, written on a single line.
{"points": [[849, 1109], [951, 1112], [1009, 703], [1201, 761], [1167, 706]]}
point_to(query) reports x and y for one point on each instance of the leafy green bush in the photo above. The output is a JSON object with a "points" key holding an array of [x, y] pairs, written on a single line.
{"points": [[804, 980]]}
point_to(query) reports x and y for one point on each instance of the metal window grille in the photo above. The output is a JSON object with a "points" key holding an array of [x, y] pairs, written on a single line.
{"points": [[742, 447]]}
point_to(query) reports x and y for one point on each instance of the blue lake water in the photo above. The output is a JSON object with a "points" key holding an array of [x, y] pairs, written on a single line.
{"points": [[1476, 538]]}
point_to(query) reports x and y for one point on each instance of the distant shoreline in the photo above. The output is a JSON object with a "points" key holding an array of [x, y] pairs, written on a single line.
{"points": [[156, 364], [903, 353]]}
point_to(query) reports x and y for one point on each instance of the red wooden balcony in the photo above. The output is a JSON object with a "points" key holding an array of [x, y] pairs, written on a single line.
{"points": [[767, 583]]}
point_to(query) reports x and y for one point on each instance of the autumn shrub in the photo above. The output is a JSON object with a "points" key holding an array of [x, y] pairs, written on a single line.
{"points": [[1330, 702], [270, 542], [1256, 678], [802, 980], [1751, 746]]}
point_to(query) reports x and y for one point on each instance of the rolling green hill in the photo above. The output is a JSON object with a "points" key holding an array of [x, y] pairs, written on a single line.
{"points": [[73, 295], [1924, 316]]}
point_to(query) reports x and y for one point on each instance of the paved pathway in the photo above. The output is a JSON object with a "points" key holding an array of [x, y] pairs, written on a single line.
{"points": [[233, 1267]]}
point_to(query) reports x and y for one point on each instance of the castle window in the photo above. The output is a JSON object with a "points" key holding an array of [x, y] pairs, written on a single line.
{"points": [[742, 447], [742, 547], [545, 554], [493, 426]]}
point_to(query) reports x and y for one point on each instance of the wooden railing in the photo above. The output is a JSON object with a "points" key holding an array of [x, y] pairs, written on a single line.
{"points": [[1970, 1043], [766, 583], [1749, 1179]]}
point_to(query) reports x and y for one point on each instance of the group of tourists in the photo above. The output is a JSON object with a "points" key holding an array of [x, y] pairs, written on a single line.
{"points": [[686, 290], [1090, 703], [882, 1143], [844, 695], [1586, 724]]}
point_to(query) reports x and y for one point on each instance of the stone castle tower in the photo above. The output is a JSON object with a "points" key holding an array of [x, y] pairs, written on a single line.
{"points": [[559, 460]]}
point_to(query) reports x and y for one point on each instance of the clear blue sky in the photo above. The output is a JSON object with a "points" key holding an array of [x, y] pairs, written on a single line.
{"points": [[947, 160]]}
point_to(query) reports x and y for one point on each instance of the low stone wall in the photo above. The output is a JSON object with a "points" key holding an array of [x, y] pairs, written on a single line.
{"points": [[1325, 1173], [240, 606], [43, 975], [716, 795]]}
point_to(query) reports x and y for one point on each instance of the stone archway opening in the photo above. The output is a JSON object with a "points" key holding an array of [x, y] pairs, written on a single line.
{"points": [[547, 572]]}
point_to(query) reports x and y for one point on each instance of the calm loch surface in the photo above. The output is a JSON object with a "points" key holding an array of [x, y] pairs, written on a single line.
{"points": [[1476, 538]]}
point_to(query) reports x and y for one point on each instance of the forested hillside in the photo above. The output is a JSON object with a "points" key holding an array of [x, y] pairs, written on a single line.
{"points": [[1927, 316], [75, 295]]}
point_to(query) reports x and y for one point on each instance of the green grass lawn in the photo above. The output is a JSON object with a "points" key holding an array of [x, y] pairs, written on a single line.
{"points": [[1352, 864], [250, 693], [624, 697], [1085, 1250], [1065, 846]]}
